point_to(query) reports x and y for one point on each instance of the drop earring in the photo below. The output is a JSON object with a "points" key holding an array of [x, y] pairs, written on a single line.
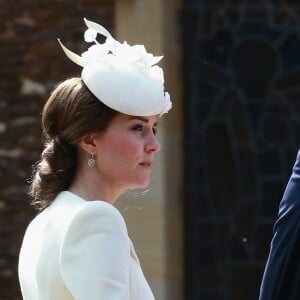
{"points": [[91, 162]]}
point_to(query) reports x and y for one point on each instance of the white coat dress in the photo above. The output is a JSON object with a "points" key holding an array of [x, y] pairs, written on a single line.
{"points": [[77, 249]]}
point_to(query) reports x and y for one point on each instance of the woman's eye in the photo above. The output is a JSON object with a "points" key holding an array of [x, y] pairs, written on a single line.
{"points": [[137, 128]]}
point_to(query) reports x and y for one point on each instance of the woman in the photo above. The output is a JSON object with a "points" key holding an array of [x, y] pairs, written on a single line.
{"points": [[100, 141]]}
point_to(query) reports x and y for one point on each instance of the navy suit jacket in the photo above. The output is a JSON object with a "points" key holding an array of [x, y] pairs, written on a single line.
{"points": [[281, 278]]}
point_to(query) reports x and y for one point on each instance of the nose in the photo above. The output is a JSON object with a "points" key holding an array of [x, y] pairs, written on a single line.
{"points": [[152, 145]]}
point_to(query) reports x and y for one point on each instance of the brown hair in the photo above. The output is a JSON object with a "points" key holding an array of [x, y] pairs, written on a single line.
{"points": [[70, 112]]}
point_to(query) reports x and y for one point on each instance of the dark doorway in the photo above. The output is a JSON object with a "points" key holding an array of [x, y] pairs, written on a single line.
{"points": [[242, 132]]}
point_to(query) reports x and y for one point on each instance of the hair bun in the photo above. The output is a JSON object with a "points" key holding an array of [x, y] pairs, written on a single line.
{"points": [[61, 145]]}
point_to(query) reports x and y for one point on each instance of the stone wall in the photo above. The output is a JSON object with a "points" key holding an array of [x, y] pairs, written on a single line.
{"points": [[31, 64]]}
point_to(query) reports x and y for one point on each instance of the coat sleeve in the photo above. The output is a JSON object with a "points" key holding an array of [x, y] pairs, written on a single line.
{"points": [[281, 278], [94, 257]]}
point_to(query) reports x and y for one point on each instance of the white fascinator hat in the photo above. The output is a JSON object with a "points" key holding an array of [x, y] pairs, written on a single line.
{"points": [[125, 78]]}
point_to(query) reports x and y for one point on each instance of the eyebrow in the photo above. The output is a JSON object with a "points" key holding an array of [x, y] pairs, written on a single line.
{"points": [[143, 119]]}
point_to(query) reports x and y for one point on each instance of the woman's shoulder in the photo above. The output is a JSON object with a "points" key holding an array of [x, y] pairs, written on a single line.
{"points": [[101, 209], [97, 213], [69, 201]]}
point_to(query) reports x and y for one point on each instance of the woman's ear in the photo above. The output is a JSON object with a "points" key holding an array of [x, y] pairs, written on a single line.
{"points": [[88, 144]]}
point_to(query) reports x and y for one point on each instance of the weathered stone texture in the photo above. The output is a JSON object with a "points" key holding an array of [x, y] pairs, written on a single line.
{"points": [[31, 63]]}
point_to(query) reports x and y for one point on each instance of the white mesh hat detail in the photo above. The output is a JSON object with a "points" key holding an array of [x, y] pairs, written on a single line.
{"points": [[125, 78]]}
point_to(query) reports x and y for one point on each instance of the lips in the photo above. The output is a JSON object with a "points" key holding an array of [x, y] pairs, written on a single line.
{"points": [[147, 164]]}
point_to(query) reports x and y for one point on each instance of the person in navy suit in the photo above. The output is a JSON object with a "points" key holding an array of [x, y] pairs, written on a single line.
{"points": [[281, 279]]}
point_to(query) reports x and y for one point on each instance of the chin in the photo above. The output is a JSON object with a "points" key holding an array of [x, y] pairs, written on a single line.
{"points": [[141, 184]]}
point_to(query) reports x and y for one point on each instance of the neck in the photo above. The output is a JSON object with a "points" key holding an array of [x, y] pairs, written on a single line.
{"points": [[90, 185]]}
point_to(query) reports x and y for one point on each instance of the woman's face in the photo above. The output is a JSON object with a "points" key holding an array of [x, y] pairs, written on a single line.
{"points": [[125, 151]]}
